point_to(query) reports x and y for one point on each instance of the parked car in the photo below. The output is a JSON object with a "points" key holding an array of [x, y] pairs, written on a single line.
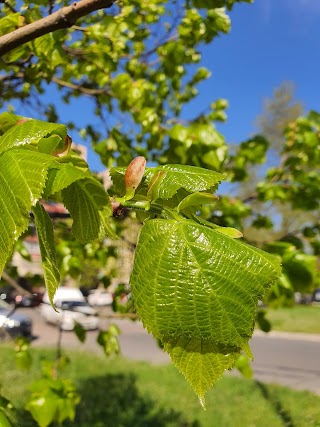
{"points": [[100, 297], [13, 323], [71, 308], [316, 297]]}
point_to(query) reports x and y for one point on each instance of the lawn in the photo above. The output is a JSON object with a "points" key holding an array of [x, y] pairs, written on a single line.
{"points": [[118, 393], [300, 318]]}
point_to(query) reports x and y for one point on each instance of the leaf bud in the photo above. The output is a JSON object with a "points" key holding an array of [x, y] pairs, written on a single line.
{"points": [[134, 175], [63, 148]]}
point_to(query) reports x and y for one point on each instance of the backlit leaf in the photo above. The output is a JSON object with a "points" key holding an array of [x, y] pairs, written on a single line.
{"points": [[197, 199], [90, 208], [47, 249], [20, 190], [198, 288]]}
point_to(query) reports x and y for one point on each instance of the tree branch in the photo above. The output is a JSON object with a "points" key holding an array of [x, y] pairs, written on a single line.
{"points": [[80, 88], [62, 18], [15, 284]]}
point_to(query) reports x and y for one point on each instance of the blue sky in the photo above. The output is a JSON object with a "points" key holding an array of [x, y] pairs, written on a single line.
{"points": [[271, 41]]}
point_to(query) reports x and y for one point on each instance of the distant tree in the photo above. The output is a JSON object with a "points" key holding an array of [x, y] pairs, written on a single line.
{"points": [[279, 111]]}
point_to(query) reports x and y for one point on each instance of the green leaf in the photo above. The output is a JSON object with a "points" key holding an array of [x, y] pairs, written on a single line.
{"points": [[23, 360], [262, 321], [90, 208], [192, 282], [46, 47], [230, 232], [80, 332], [154, 185], [30, 132], [4, 420], [63, 176], [302, 271], [84, 197], [7, 416], [47, 249], [43, 407], [48, 145], [19, 191], [197, 199], [243, 366], [108, 340], [22, 250], [52, 400], [10, 23]]}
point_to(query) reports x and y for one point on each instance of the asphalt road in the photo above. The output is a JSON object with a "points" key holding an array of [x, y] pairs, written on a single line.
{"points": [[287, 359]]}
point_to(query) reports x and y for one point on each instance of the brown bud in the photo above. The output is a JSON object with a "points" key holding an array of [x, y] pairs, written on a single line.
{"points": [[19, 122], [134, 175]]}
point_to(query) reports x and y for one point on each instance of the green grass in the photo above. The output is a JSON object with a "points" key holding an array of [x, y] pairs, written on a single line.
{"points": [[300, 318], [118, 393]]}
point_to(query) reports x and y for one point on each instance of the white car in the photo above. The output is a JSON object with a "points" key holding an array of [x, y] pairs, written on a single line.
{"points": [[71, 308], [100, 297]]}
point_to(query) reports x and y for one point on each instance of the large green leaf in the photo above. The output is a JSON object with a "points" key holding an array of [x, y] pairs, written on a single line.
{"points": [[194, 283], [22, 178], [47, 249], [30, 132]]}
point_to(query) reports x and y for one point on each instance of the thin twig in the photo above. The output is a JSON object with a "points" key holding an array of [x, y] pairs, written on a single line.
{"points": [[80, 88], [78, 28]]}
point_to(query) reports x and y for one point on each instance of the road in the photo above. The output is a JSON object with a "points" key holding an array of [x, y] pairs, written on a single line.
{"points": [[287, 359]]}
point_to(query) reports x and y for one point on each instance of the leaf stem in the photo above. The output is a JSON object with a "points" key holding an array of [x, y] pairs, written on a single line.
{"points": [[144, 205]]}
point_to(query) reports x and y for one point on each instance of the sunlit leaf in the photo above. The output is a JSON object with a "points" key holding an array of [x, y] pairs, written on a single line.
{"points": [[90, 208], [47, 249], [191, 283], [197, 199], [20, 190], [243, 365]]}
